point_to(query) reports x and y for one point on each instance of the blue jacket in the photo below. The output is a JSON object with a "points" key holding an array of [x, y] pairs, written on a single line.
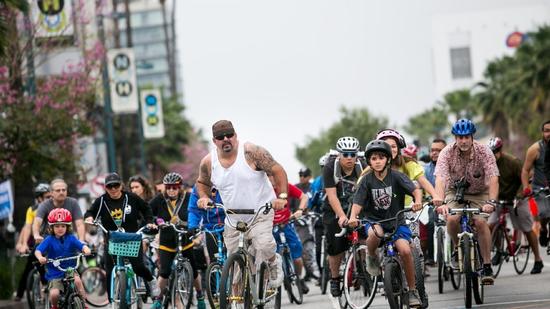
{"points": [[209, 218]]}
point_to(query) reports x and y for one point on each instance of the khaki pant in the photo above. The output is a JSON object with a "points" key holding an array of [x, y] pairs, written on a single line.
{"points": [[476, 201], [260, 234]]}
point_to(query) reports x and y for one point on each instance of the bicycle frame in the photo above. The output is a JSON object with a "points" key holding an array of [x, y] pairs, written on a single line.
{"points": [[466, 222], [68, 279]]}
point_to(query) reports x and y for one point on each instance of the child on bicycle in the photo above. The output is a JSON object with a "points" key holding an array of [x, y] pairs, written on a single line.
{"points": [[380, 196], [60, 243]]}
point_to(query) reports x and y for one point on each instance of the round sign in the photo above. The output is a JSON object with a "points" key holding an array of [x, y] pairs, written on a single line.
{"points": [[121, 62], [515, 39], [50, 7], [97, 186]]}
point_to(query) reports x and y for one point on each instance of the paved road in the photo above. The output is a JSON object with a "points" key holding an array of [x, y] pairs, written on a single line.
{"points": [[510, 291]]}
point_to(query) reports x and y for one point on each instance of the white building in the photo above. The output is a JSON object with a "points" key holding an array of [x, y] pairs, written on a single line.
{"points": [[464, 43]]}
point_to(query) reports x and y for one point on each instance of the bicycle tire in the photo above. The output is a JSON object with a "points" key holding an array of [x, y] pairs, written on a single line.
{"points": [[263, 289], [182, 286], [235, 263], [292, 283], [325, 275], [76, 302], [358, 281], [523, 251], [393, 284], [498, 240], [467, 271], [120, 291], [278, 299], [418, 260], [440, 260], [93, 280], [35, 299], [456, 278], [213, 279]]}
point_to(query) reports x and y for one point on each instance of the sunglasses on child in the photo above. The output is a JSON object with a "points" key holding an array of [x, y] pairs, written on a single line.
{"points": [[223, 136]]}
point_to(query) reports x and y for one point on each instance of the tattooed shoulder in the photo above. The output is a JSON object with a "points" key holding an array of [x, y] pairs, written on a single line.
{"points": [[260, 157], [205, 171]]}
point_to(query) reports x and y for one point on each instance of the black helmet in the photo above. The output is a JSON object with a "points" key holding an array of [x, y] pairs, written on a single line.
{"points": [[172, 179], [378, 145], [40, 189]]}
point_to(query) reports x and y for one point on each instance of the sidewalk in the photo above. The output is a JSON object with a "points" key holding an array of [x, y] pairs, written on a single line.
{"points": [[10, 304]]}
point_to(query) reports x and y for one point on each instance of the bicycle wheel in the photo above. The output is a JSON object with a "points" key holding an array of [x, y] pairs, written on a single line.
{"points": [[234, 289], [292, 283], [213, 279], [119, 288], [440, 238], [393, 284], [325, 275], [76, 302], [467, 270], [419, 276], [522, 252], [181, 294], [36, 295], [498, 240], [266, 295], [456, 278], [134, 300], [93, 280], [359, 286]]}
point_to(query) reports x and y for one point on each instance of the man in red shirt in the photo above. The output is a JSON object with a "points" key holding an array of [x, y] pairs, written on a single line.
{"points": [[281, 218]]}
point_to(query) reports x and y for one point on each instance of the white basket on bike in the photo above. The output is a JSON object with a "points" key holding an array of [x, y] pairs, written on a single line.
{"points": [[124, 244]]}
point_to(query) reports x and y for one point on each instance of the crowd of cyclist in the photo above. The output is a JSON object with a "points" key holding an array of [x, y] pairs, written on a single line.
{"points": [[375, 183]]}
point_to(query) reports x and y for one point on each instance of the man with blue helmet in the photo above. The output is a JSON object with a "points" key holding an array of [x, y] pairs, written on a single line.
{"points": [[471, 166]]}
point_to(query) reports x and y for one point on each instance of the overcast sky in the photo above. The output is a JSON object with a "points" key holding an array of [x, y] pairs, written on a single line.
{"points": [[280, 70]]}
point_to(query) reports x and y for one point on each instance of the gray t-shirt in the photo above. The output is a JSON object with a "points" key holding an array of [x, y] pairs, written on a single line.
{"points": [[382, 199], [45, 207]]}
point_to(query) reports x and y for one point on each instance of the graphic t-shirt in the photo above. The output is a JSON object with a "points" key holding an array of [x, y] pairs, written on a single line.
{"points": [[382, 199]]}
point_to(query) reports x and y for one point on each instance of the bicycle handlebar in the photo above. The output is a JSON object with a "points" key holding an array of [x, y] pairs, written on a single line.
{"points": [[263, 209], [474, 211]]}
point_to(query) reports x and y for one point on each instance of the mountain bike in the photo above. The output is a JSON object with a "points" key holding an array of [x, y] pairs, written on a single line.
{"points": [[243, 286], [505, 246], [292, 282], [214, 269], [69, 298], [37, 297], [443, 249]]}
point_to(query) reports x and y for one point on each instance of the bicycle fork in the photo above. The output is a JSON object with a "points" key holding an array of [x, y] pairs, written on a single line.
{"points": [[461, 254]]}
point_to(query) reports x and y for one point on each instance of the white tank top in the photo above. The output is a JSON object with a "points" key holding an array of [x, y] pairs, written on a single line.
{"points": [[240, 186]]}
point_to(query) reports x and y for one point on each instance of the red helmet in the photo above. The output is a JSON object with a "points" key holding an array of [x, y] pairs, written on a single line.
{"points": [[60, 216]]}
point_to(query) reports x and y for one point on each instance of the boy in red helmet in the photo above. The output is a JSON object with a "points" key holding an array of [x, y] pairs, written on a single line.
{"points": [[60, 243]]}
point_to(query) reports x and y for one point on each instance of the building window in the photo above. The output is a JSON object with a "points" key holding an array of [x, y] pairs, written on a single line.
{"points": [[461, 65]]}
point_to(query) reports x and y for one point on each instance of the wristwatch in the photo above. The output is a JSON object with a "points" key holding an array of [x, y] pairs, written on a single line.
{"points": [[283, 196]]}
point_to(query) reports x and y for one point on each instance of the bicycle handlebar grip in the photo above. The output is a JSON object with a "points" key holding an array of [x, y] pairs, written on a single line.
{"points": [[342, 232], [241, 211]]}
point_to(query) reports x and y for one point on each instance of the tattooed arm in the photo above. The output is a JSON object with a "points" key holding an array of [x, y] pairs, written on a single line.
{"points": [[204, 184], [261, 160]]}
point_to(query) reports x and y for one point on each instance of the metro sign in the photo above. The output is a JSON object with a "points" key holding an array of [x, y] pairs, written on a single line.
{"points": [[122, 75]]}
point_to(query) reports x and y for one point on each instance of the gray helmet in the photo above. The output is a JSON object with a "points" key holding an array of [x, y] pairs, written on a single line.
{"points": [[172, 179], [40, 189], [347, 144], [323, 160], [378, 145]]}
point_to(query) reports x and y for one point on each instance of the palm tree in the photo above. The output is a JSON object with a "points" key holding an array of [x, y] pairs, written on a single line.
{"points": [[6, 9]]}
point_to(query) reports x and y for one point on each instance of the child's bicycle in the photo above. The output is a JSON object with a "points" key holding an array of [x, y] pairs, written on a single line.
{"points": [[214, 269], [70, 298]]}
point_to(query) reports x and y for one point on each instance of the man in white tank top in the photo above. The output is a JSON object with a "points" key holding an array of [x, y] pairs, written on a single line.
{"points": [[240, 174]]}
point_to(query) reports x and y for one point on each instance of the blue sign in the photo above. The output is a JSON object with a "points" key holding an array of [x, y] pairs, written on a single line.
{"points": [[6, 200]]}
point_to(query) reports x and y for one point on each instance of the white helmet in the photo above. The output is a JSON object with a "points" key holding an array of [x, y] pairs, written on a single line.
{"points": [[323, 160], [347, 144]]}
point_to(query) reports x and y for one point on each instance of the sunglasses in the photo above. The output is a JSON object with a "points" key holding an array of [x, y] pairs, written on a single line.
{"points": [[349, 154], [223, 136], [113, 186], [172, 187]]}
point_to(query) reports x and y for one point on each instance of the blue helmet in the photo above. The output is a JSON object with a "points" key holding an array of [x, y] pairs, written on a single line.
{"points": [[464, 127]]}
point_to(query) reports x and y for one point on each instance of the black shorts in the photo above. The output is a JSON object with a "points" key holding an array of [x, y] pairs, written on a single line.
{"points": [[335, 245], [167, 259]]}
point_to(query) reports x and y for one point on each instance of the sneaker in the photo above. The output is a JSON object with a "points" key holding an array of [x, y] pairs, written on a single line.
{"points": [[154, 288], [276, 272], [335, 289], [537, 268], [157, 304], [304, 287], [373, 265], [487, 275], [200, 303], [496, 258], [414, 299], [454, 259]]}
